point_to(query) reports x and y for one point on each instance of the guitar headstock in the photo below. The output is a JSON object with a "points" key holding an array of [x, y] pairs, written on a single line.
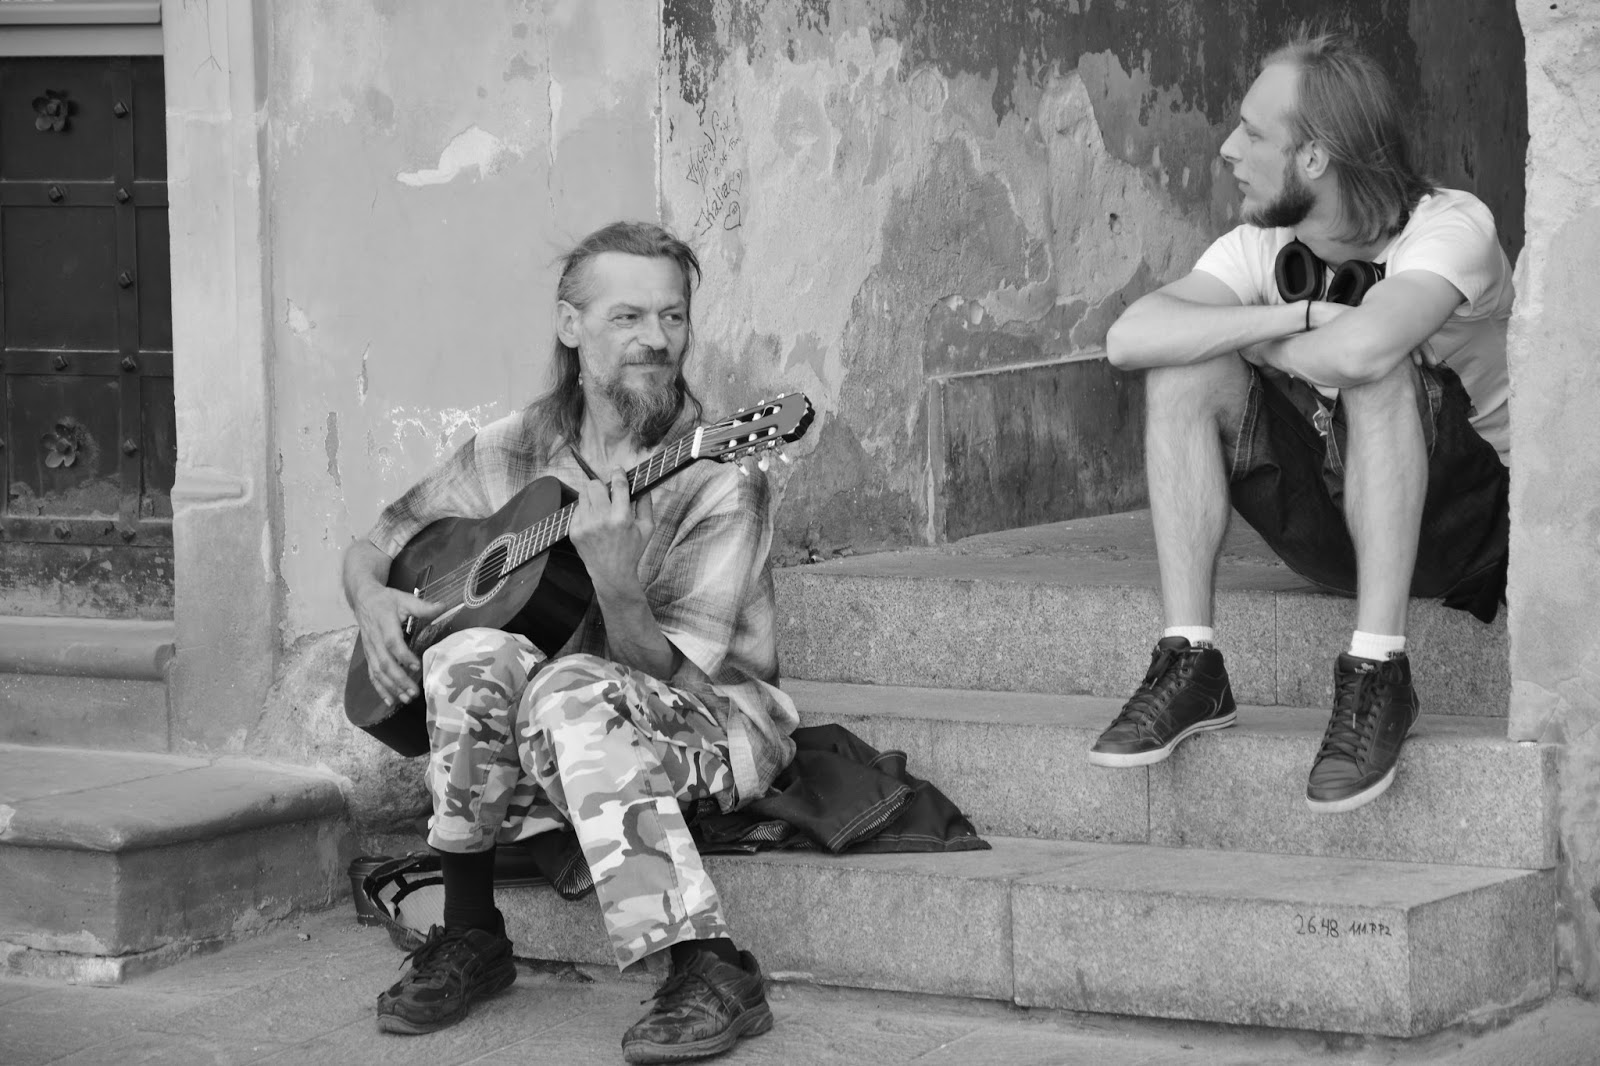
{"points": [[765, 427]]}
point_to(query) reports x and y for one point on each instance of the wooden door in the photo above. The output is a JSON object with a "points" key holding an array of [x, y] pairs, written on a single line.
{"points": [[87, 425]]}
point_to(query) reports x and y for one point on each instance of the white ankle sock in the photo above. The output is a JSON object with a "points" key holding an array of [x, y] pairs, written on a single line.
{"points": [[1378, 646], [1193, 634]]}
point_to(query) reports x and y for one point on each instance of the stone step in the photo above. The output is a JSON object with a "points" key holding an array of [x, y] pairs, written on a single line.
{"points": [[1074, 607], [109, 860], [87, 682], [1344, 945], [1016, 764]]}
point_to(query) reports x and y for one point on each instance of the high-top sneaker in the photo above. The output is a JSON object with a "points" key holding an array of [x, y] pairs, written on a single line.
{"points": [[1374, 707], [1184, 692]]}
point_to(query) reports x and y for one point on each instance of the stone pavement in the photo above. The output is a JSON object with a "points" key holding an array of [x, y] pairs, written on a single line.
{"points": [[304, 992]]}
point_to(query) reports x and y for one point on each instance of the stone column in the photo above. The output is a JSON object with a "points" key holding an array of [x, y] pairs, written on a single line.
{"points": [[226, 599], [1555, 493]]}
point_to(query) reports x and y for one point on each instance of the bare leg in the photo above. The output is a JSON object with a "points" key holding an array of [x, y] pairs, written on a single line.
{"points": [[1192, 412], [1386, 481]]}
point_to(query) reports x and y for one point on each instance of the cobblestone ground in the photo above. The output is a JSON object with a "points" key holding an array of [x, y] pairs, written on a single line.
{"points": [[304, 993]]}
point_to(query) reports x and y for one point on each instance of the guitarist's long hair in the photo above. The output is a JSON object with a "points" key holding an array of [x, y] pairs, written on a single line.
{"points": [[559, 412]]}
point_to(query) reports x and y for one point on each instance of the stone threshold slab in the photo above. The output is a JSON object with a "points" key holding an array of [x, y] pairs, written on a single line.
{"points": [[112, 904], [105, 856], [1330, 944], [1017, 764], [127, 801], [75, 969]]}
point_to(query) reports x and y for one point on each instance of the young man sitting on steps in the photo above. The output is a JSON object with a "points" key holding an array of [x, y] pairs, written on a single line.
{"points": [[1336, 369]]}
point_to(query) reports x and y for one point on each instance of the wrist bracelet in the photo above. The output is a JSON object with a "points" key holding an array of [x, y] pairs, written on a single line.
{"points": [[1308, 316]]}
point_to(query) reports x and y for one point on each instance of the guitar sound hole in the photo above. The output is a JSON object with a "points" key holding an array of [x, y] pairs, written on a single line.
{"points": [[490, 572]]}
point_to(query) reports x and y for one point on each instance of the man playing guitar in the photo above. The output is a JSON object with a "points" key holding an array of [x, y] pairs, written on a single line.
{"points": [[666, 694]]}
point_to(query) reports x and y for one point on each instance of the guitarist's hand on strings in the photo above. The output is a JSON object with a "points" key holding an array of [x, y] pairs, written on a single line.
{"points": [[610, 532], [382, 613]]}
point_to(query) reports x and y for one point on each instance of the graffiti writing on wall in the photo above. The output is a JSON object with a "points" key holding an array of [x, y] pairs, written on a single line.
{"points": [[721, 186]]}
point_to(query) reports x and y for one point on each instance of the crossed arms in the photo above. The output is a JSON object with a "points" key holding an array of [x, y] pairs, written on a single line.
{"points": [[1198, 318]]}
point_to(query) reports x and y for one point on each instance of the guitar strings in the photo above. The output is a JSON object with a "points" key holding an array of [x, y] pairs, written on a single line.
{"points": [[520, 550], [456, 579], [555, 526], [451, 585]]}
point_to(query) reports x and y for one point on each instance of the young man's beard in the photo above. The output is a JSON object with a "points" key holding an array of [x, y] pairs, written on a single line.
{"points": [[1290, 207], [648, 412]]}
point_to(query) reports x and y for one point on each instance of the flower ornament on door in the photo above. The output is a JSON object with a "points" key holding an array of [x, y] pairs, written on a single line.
{"points": [[52, 110], [61, 444]]}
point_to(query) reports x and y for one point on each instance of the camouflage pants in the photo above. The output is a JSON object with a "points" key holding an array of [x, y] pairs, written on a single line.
{"points": [[586, 742]]}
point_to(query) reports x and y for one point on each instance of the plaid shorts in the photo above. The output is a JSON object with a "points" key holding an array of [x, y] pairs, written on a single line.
{"points": [[1287, 481]]}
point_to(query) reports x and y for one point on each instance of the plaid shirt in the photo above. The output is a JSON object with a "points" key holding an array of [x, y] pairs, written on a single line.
{"points": [[704, 572]]}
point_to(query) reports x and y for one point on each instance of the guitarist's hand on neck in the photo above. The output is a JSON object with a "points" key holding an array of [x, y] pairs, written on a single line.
{"points": [[382, 613], [610, 533]]}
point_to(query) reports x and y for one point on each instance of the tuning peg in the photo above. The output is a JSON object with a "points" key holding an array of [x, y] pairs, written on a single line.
{"points": [[763, 464], [743, 471], [783, 457]]}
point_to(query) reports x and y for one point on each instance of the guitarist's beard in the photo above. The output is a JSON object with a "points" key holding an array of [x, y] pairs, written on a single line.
{"points": [[647, 412]]}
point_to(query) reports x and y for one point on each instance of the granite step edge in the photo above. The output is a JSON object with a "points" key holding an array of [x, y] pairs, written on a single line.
{"points": [[945, 924]]}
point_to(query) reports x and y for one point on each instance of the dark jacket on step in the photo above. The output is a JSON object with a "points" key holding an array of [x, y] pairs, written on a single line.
{"points": [[837, 794]]}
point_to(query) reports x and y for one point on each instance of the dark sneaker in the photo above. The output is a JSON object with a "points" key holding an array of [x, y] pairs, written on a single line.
{"points": [[701, 1010], [1374, 707], [452, 968], [1185, 691]]}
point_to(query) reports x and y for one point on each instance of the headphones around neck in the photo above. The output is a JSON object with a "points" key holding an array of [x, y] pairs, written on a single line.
{"points": [[1299, 275]]}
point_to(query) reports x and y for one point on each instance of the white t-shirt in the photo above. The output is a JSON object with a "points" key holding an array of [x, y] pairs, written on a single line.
{"points": [[1450, 233]]}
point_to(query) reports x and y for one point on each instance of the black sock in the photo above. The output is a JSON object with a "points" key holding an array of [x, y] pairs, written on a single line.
{"points": [[684, 951], [469, 890]]}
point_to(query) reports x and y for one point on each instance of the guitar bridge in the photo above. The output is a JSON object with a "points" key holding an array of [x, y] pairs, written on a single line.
{"points": [[411, 623], [430, 633]]}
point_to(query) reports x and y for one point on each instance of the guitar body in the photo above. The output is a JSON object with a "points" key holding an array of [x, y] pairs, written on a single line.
{"points": [[544, 600]]}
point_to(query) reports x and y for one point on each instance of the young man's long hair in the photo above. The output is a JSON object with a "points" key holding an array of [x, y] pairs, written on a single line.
{"points": [[559, 412], [1348, 105]]}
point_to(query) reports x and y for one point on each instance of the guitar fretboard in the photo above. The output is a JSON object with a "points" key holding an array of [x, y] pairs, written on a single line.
{"points": [[539, 537]]}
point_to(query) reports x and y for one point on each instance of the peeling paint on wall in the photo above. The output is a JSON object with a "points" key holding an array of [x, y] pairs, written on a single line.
{"points": [[554, 95], [471, 149], [438, 432], [331, 445], [297, 319]]}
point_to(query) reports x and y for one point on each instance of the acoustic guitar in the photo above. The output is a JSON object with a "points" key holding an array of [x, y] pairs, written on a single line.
{"points": [[517, 571]]}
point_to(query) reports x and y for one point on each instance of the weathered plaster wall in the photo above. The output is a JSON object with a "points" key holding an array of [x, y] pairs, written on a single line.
{"points": [[1555, 506], [900, 201]]}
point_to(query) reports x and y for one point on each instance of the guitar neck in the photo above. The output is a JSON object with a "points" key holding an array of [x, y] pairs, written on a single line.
{"points": [[539, 537]]}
